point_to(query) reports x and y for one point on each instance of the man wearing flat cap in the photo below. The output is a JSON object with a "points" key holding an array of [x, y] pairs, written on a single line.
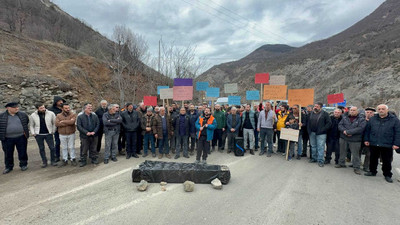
{"points": [[14, 133]]}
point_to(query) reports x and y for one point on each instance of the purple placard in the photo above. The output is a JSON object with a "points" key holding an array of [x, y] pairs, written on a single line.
{"points": [[183, 82]]}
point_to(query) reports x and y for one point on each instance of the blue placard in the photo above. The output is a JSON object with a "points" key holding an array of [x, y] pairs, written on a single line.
{"points": [[201, 86], [252, 95], [234, 100], [212, 92], [342, 103], [161, 87]]}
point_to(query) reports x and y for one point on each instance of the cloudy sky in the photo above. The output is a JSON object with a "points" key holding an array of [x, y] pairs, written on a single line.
{"points": [[222, 30]]}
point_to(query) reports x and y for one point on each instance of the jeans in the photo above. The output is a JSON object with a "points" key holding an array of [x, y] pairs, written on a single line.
{"points": [[89, 144], [131, 139], [111, 139], [50, 142], [386, 154], [57, 144], [248, 134], [367, 158], [217, 137], [355, 151], [203, 147], [163, 147], [67, 143], [256, 146], [300, 145], [182, 144], [9, 145], [149, 137], [266, 137], [317, 146], [332, 145]]}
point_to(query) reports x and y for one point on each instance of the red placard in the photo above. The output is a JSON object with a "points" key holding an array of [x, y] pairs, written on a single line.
{"points": [[335, 98], [150, 100], [262, 78]]}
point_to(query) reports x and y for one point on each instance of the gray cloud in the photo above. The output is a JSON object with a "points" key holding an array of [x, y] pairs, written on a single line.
{"points": [[223, 30]]}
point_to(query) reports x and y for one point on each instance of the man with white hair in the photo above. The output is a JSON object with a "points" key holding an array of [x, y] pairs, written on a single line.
{"points": [[351, 129], [233, 124], [100, 112], [383, 136]]}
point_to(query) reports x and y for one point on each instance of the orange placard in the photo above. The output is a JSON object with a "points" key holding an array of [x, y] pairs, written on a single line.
{"points": [[301, 97], [275, 92]]}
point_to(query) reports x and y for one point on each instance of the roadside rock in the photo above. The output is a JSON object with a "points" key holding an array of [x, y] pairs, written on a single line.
{"points": [[142, 185], [162, 183], [216, 184], [188, 186]]}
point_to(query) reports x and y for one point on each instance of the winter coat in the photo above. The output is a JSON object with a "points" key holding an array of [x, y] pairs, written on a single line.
{"points": [[281, 120], [49, 118], [193, 117], [83, 124], [383, 132], [153, 124], [323, 124], [229, 123], [355, 128], [212, 125], [333, 132], [67, 127], [158, 127], [112, 122], [252, 118], [4, 120], [130, 121], [177, 127], [220, 119], [54, 107]]}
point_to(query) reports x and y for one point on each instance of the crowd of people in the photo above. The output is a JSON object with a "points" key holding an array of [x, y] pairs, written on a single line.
{"points": [[188, 130]]}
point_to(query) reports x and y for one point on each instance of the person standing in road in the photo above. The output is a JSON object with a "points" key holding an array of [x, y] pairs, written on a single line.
{"points": [[369, 113], [220, 117], [265, 126], [193, 116], [131, 124], [56, 108], [88, 125], [181, 128], [164, 131], [100, 112], [332, 138], [382, 135], [14, 133], [205, 126], [281, 115], [42, 127], [302, 124], [112, 124], [351, 129], [148, 124], [233, 124], [248, 124], [318, 126], [65, 123]]}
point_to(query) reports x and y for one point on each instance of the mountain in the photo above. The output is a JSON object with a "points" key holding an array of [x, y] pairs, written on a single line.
{"points": [[363, 62], [45, 52]]}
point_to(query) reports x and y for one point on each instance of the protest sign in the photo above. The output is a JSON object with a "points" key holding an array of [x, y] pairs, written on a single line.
{"points": [[201, 86], [289, 134], [161, 87], [301, 97], [231, 88], [183, 82], [335, 98], [234, 100], [275, 92], [182, 93], [167, 93], [277, 80], [150, 100], [252, 95], [212, 92], [262, 78]]}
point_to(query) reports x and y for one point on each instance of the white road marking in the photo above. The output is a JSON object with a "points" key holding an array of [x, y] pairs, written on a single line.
{"points": [[139, 200]]}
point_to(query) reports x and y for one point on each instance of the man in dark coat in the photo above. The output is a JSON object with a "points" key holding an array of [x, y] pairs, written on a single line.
{"points": [[131, 123], [56, 108], [14, 133], [100, 112], [88, 125], [383, 136], [332, 138]]}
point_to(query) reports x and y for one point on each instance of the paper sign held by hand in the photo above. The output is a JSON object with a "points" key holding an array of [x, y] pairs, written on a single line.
{"points": [[301, 97], [201, 86], [252, 95], [277, 80], [161, 87], [212, 92], [335, 98], [231, 88], [183, 82], [275, 92], [167, 93], [234, 100], [150, 100], [262, 78], [182, 93]]}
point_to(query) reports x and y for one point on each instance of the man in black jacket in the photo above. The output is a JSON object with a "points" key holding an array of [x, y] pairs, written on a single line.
{"points": [[131, 124], [181, 126], [100, 112], [332, 138], [88, 125], [14, 132], [56, 108], [351, 129], [318, 124], [383, 136]]}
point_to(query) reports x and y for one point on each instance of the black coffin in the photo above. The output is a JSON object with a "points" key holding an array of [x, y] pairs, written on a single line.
{"points": [[173, 172]]}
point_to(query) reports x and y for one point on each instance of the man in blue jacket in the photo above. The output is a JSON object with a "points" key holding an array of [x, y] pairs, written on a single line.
{"points": [[205, 126], [383, 136], [233, 123]]}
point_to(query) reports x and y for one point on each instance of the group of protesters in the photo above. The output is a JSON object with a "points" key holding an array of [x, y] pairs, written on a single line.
{"points": [[188, 130]]}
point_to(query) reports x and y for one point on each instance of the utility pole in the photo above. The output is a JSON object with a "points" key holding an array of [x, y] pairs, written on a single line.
{"points": [[159, 55]]}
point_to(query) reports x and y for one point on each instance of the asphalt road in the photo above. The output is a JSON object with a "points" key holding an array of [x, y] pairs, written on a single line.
{"points": [[261, 191]]}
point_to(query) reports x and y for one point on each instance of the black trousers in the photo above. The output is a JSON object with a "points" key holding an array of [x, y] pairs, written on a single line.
{"points": [[57, 145], [121, 140], [203, 147], [332, 145], [386, 154], [99, 138], [281, 143], [89, 144], [50, 142], [131, 139], [306, 139], [139, 139], [217, 137], [9, 145]]}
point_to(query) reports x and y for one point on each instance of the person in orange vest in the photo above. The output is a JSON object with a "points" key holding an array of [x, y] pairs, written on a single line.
{"points": [[205, 126]]}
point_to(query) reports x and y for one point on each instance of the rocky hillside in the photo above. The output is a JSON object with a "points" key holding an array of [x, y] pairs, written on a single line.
{"points": [[363, 62], [36, 64]]}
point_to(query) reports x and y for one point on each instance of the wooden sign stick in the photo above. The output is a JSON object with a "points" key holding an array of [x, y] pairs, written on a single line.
{"points": [[287, 150], [299, 116]]}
